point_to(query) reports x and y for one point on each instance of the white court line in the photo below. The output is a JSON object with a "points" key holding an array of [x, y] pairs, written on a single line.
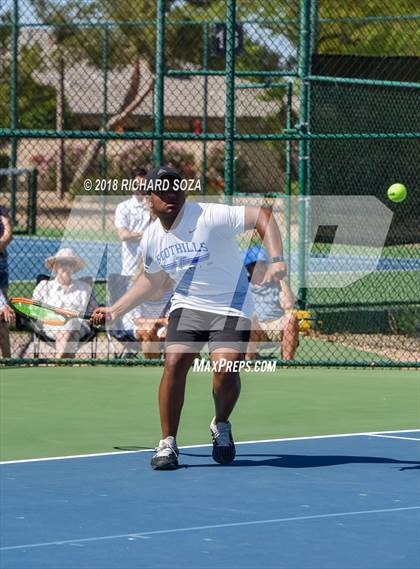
{"points": [[394, 437], [285, 439], [209, 527]]}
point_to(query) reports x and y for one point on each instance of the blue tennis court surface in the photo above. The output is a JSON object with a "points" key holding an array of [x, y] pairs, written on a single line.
{"points": [[325, 502], [28, 255]]}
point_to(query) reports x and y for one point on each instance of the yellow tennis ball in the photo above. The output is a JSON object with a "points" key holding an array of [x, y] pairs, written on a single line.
{"points": [[397, 193]]}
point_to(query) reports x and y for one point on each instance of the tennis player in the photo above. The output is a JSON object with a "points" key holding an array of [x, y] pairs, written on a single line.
{"points": [[192, 247]]}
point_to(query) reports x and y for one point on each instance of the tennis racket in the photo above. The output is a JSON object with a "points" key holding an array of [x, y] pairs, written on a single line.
{"points": [[44, 313]]}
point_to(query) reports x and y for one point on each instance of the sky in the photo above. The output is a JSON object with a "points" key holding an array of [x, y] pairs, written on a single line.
{"points": [[256, 33]]}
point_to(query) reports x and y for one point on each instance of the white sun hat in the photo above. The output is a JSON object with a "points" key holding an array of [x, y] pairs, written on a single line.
{"points": [[65, 254]]}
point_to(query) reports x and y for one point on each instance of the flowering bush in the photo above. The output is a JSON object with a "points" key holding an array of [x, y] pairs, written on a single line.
{"points": [[129, 158], [180, 159], [123, 160], [216, 166], [46, 163]]}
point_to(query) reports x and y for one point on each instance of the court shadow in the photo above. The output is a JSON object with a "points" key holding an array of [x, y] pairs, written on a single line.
{"points": [[305, 461], [131, 448]]}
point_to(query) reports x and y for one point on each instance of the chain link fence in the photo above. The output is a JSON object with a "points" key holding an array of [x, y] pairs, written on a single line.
{"points": [[269, 102]]}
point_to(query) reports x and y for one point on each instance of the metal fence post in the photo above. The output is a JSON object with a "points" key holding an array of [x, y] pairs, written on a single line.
{"points": [[205, 107], [104, 157], [304, 57], [288, 175], [14, 104], [230, 100], [105, 68], [314, 25], [159, 82], [33, 186]]}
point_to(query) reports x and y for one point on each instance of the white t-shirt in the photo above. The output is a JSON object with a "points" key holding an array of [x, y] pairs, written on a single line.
{"points": [[134, 216], [202, 257]]}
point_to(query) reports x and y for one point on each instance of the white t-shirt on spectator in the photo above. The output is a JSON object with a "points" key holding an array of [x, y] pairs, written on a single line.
{"points": [[134, 216], [201, 255]]}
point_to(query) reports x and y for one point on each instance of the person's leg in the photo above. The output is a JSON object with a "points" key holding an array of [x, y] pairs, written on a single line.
{"points": [[172, 388], [290, 336], [171, 399], [254, 339], [146, 333], [67, 339], [64, 344], [227, 346], [226, 382], [226, 390], [4, 340], [185, 337]]}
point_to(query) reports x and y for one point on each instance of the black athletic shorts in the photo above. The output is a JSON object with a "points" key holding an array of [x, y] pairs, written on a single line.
{"points": [[193, 328]]}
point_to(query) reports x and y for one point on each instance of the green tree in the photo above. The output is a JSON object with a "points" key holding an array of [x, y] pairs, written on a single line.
{"points": [[36, 101], [133, 46], [361, 27]]}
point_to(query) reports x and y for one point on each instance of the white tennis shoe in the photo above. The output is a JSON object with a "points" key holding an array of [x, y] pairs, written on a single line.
{"points": [[223, 446], [166, 457]]}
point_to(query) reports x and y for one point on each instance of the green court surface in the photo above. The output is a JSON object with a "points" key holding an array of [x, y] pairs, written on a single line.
{"points": [[56, 411]]}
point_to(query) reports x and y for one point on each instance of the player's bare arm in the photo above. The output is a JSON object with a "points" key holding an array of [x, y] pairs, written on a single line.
{"points": [[262, 219], [144, 288], [287, 298], [126, 235]]}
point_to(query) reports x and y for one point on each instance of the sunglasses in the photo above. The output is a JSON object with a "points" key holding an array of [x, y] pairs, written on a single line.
{"points": [[64, 264]]}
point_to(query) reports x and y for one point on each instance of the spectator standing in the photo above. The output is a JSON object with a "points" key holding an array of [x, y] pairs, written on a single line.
{"points": [[132, 216], [6, 317], [6, 314], [6, 235]]}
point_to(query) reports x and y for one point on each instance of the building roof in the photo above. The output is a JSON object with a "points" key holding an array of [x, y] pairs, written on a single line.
{"points": [[84, 88], [84, 92]]}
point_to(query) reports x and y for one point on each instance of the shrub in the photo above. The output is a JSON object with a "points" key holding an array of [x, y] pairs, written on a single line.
{"points": [[4, 163]]}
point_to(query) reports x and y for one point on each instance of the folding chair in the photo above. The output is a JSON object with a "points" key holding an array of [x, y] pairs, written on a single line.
{"points": [[117, 286]]}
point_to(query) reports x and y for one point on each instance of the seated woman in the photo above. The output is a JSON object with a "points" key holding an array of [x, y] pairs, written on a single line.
{"points": [[6, 317], [273, 320], [63, 291], [151, 325]]}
